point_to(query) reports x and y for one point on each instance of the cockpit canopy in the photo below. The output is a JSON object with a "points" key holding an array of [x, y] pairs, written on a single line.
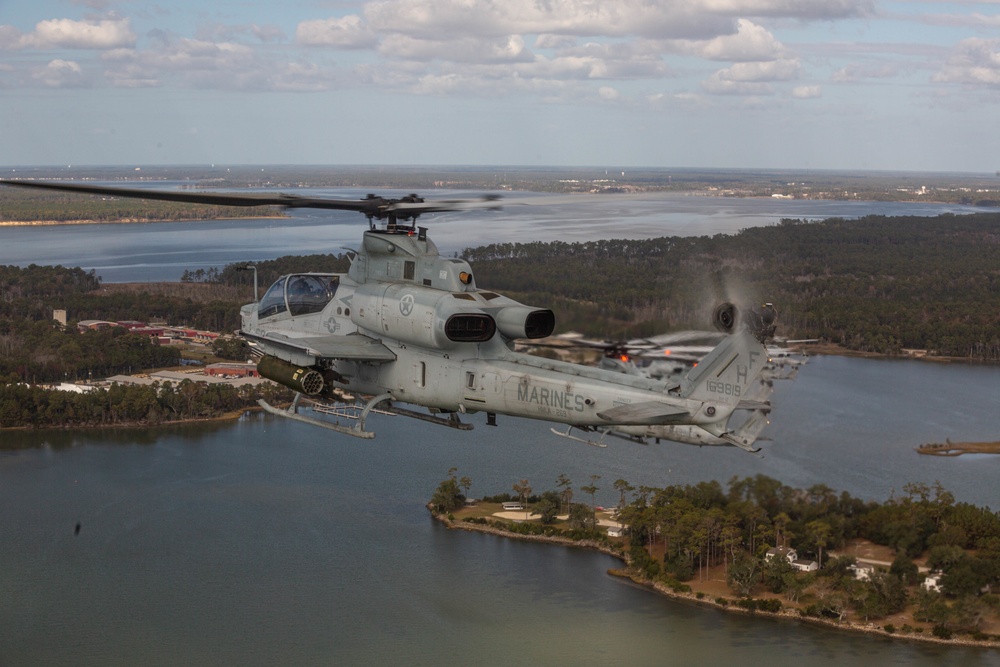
{"points": [[299, 294]]}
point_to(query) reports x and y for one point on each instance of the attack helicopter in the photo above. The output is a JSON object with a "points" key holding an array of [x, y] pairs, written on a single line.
{"points": [[406, 325]]}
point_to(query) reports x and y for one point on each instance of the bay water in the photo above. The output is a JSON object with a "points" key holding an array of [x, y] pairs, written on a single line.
{"points": [[144, 252], [271, 542], [267, 541]]}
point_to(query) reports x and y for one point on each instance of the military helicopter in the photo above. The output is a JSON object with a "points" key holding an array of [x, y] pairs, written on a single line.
{"points": [[406, 325]]}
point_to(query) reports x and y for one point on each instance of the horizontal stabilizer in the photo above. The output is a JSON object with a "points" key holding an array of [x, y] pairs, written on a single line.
{"points": [[747, 404], [746, 435], [648, 413]]}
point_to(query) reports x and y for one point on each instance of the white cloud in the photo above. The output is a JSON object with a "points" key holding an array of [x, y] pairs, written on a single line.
{"points": [[201, 64], [719, 86], [546, 41], [624, 60], [804, 10], [859, 72], [432, 18], [750, 42], [751, 78], [693, 19], [344, 33], [464, 50], [776, 70], [974, 62], [70, 34], [807, 92], [60, 74], [608, 93], [488, 84]]}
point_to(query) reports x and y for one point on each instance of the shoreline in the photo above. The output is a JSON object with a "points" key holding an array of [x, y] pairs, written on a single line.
{"points": [[788, 613]]}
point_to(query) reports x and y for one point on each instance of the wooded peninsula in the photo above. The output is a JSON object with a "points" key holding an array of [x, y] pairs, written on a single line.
{"points": [[920, 565]]}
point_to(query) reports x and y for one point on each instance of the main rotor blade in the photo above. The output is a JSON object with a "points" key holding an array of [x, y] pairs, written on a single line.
{"points": [[371, 205]]}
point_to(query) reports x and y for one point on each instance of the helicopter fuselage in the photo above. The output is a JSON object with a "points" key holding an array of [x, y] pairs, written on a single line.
{"points": [[446, 345]]}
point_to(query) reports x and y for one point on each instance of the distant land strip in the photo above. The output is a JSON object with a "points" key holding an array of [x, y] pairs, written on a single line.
{"points": [[126, 221], [959, 448]]}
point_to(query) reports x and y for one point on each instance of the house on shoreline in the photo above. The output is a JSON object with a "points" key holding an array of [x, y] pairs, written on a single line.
{"points": [[792, 556]]}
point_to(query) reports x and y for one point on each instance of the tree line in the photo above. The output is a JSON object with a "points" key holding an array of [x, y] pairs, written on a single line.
{"points": [[23, 405], [875, 284]]}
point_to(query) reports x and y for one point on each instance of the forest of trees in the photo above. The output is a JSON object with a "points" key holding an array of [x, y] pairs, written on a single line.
{"points": [[876, 284], [675, 533]]}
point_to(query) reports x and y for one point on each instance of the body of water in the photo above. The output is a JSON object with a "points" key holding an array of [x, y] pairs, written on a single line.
{"points": [[163, 251], [267, 541]]}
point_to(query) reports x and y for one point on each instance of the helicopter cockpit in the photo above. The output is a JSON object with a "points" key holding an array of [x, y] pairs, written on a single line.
{"points": [[298, 294]]}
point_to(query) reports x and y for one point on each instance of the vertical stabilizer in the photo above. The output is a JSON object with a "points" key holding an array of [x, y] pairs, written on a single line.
{"points": [[725, 376]]}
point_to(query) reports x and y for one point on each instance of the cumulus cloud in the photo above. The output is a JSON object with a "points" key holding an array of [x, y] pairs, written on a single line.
{"points": [[974, 61], [751, 78], [70, 34], [621, 60], [691, 19], [431, 18], [776, 70], [805, 10], [568, 47], [60, 74], [204, 64], [469, 50], [719, 86], [344, 33], [750, 42], [546, 41], [807, 92]]}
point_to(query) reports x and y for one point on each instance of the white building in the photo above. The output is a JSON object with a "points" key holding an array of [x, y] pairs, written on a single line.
{"points": [[862, 571], [792, 556], [932, 582]]}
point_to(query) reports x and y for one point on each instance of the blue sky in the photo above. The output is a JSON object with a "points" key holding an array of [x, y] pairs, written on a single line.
{"points": [[812, 84]]}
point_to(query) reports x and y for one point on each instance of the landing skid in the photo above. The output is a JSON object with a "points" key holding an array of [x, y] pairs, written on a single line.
{"points": [[358, 413], [586, 441], [358, 430]]}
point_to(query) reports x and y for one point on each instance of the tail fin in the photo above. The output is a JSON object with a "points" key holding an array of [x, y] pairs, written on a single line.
{"points": [[725, 376]]}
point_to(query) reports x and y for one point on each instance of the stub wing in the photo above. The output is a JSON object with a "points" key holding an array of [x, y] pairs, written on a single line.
{"points": [[650, 413], [352, 347]]}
